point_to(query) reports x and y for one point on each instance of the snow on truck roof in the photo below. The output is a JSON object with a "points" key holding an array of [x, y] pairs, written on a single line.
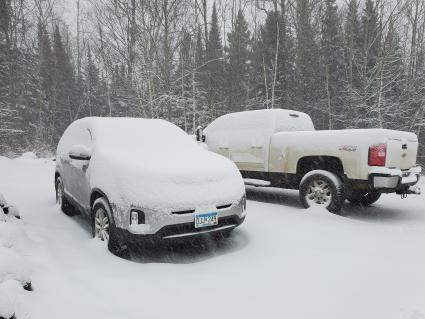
{"points": [[286, 120]]}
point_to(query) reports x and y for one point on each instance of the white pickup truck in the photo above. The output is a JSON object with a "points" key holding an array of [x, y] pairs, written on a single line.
{"points": [[283, 148]]}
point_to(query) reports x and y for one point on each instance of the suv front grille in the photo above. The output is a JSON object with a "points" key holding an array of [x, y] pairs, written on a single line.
{"points": [[190, 227], [182, 212]]}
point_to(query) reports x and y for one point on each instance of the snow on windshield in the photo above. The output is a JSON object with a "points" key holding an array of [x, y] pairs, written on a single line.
{"points": [[132, 133]]}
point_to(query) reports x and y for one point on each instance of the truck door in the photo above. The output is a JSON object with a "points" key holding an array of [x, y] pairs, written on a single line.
{"points": [[223, 146], [249, 153]]}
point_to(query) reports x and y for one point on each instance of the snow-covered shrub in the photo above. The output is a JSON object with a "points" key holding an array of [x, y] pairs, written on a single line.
{"points": [[14, 267], [13, 241], [7, 210], [2, 200], [2, 215], [6, 306], [15, 270], [10, 292], [11, 235], [13, 211], [29, 155]]}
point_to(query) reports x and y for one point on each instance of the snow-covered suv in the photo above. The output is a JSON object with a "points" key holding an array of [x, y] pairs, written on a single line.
{"points": [[139, 179]]}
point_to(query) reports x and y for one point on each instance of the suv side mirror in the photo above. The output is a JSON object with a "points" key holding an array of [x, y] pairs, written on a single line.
{"points": [[200, 137], [79, 152]]}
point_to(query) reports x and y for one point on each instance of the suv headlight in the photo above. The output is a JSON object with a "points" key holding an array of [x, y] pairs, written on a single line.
{"points": [[242, 202]]}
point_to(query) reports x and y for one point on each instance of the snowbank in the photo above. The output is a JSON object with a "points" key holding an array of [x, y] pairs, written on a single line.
{"points": [[14, 267], [29, 155], [15, 270], [2, 200], [7, 210], [6, 305]]}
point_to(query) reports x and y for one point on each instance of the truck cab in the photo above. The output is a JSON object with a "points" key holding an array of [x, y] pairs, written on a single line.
{"points": [[245, 137]]}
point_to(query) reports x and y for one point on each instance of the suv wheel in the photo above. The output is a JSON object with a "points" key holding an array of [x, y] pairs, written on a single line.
{"points": [[103, 227], [364, 198], [61, 200], [324, 189]]}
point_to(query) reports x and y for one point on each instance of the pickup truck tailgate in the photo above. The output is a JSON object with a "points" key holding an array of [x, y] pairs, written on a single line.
{"points": [[402, 148]]}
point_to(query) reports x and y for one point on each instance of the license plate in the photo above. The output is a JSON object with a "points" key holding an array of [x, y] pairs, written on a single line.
{"points": [[205, 220]]}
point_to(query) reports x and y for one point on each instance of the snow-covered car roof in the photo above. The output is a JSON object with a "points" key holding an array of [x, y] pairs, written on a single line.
{"points": [[129, 132]]}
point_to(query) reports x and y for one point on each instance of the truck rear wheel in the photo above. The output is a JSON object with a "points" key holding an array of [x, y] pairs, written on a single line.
{"points": [[324, 189], [364, 198]]}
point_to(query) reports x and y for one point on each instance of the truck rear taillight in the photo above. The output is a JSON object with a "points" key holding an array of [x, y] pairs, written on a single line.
{"points": [[377, 155]]}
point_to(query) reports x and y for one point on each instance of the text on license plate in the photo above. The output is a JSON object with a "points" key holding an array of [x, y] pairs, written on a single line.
{"points": [[204, 220]]}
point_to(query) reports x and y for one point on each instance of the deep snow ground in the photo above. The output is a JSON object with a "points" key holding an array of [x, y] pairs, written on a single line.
{"points": [[283, 262]]}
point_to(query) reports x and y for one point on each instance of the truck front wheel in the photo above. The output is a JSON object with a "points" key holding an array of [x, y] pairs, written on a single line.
{"points": [[324, 189], [364, 198]]}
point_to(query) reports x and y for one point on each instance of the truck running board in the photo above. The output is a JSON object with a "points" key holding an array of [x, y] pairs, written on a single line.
{"points": [[256, 182]]}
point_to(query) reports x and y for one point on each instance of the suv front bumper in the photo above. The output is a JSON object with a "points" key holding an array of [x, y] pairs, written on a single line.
{"points": [[179, 225], [180, 231]]}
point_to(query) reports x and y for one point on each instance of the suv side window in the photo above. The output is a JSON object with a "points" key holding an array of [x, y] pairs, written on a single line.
{"points": [[74, 135], [81, 135], [86, 138]]}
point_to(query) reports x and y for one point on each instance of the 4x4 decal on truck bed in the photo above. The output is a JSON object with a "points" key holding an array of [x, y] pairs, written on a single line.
{"points": [[348, 148]]}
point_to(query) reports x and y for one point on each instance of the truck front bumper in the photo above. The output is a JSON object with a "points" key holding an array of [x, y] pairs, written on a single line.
{"points": [[389, 180]]}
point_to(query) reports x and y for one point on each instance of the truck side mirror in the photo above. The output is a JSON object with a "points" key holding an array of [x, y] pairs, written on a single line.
{"points": [[200, 137]]}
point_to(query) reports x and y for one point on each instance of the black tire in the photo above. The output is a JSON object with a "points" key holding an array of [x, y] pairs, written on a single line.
{"points": [[333, 192], [364, 198], [115, 245], [61, 200]]}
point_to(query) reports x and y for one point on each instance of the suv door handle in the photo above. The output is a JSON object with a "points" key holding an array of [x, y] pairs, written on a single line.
{"points": [[223, 148], [257, 147]]}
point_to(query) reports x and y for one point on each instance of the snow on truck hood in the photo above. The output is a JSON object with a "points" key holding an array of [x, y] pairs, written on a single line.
{"points": [[154, 164]]}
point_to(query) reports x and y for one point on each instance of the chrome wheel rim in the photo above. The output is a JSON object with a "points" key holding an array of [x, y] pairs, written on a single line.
{"points": [[319, 193], [101, 224], [59, 194]]}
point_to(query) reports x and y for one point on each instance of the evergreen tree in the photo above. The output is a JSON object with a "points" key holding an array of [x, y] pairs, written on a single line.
{"points": [[353, 49], [214, 67], [275, 52], [93, 99], [239, 64], [199, 49], [199, 88], [353, 45], [46, 97], [123, 98], [371, 37], [199, 63], [46, 61], [6, 113], [369, 115], [394, 81], [308, 91], [64, 86], [183, 83], [333, 64]]}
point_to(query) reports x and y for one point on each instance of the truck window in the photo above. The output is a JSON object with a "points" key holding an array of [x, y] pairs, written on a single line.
{"points": [[289, 122]]}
